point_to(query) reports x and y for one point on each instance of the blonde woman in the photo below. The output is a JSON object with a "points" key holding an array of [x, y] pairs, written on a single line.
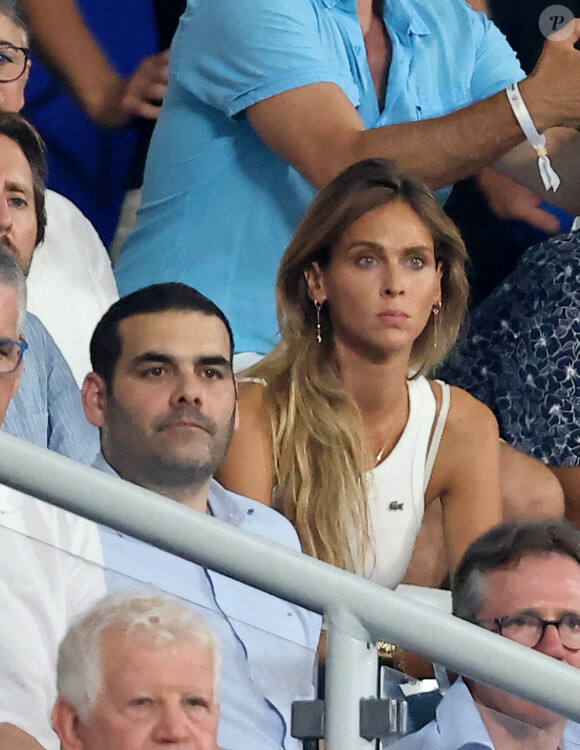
{"points": [[339, 427]]}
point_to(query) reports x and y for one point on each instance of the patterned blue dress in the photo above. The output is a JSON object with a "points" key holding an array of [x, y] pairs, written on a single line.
{"points": [[521, 355]]}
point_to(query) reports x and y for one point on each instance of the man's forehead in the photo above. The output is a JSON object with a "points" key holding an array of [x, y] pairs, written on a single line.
{"points": [[14, 166], [536, 580], [179, 333]]}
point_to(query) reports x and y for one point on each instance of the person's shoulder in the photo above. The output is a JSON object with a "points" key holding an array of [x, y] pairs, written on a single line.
{"points": [[251, 392], [44, 348], [55, 202], [463, 404], [468, 416], [33, 326], [253, 516]]}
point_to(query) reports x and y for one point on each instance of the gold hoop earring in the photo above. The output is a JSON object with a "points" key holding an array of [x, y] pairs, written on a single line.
{"points": [[318, 308], [436, 309]]}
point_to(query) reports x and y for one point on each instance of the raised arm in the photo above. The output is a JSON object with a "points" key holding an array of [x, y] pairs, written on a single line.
{"points": [[248, 467], [318, 131], [467, 474], [64, 41]]}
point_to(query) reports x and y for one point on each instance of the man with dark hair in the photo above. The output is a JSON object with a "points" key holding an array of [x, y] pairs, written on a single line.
{"points": [[106, 341], [71, 281], [164, 398], [521, 581], [47, 409]]}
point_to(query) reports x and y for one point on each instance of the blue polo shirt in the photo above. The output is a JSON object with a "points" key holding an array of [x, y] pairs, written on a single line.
{"points": [[219, 207]]}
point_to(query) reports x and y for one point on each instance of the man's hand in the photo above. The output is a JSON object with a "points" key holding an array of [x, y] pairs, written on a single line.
{"points": [[138, 96], [552, 91], [509, 200]]}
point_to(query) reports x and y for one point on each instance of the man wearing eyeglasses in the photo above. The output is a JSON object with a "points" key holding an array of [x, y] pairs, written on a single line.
{"points": [[71, 283], [44, 582], [12, 312], [521, 581], [47, 410]]}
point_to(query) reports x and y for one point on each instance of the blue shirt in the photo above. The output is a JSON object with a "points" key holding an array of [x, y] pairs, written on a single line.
{"points": [[458, 726], [269, 645], [219, 207], [47, 410]]}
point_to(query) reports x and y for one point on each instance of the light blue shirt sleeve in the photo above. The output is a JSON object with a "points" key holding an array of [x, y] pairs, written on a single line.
{"points": [[232, 54], [496, 63], [47, 410]]}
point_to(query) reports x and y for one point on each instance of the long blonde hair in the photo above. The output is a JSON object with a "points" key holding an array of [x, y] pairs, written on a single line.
{"points": [[319, 452]]}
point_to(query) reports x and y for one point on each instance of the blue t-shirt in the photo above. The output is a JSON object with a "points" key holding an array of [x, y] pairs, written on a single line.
{"points": [[219, 207]]}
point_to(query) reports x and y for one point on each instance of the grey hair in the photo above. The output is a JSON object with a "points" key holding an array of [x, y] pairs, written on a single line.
{"points": [[14, 10], [79, 676], [503, 547], [11, 275]]}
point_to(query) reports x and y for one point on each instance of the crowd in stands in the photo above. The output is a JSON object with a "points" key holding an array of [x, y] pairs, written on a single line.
{"points": [[290, 354]]}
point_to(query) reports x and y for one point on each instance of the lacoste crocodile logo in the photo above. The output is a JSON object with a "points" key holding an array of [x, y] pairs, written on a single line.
{"points": [[396, 506]]}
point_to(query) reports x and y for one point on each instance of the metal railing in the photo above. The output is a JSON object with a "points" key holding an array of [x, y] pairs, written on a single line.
{"points": [[357, 612]]}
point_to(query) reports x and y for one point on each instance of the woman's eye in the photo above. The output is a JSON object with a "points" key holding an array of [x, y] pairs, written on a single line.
{"points": [[416, 262]]}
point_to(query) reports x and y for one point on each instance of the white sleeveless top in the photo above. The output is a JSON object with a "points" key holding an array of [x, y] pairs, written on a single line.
{"points": [[396, 487]]}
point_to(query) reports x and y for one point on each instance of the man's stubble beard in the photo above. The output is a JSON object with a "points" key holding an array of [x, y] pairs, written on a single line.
{"points": [[162, 470]]}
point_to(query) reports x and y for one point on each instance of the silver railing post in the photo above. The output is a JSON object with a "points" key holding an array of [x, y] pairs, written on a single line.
{"points": [[351, 674]]}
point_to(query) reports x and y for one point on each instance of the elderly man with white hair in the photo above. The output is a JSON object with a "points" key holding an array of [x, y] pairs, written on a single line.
{"points": [[137, 672]]}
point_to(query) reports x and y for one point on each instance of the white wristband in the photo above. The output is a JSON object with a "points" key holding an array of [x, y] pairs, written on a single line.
{"points": [[538, 142]]}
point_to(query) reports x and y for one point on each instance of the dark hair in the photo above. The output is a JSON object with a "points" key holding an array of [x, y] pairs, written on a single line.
{"points": [[28, 139], [14, 10], [106, 342], [503, 547]]}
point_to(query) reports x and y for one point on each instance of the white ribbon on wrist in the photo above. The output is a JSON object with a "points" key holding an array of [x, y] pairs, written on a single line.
{"points": [[538, 142]]}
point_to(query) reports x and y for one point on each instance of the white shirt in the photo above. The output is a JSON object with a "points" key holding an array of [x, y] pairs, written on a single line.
{"points": [[71, 284], [45, 581]]}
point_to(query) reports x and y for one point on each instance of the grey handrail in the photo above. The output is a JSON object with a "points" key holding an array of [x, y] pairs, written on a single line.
{"points": [[385, 614]]}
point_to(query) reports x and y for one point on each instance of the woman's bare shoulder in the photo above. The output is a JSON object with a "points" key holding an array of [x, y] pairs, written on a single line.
{"points": [[251, 400], [467, 415]]}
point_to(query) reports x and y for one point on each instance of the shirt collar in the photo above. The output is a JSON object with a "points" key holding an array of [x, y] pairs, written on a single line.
{"points": [[402, 16], [225, 505], [459, 721]]}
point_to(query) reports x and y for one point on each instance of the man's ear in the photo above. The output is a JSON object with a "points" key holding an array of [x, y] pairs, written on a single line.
{"points": [[66, 723], [315, 282], [94, 395]]}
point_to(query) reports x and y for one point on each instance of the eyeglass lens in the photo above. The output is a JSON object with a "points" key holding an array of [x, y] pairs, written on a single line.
{"points": [[12, 62], [10, 355], [529, 629]]}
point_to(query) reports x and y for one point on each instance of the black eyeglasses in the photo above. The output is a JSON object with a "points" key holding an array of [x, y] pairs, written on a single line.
{"points": [[11, 355], [529, 629], [13, 61]]}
